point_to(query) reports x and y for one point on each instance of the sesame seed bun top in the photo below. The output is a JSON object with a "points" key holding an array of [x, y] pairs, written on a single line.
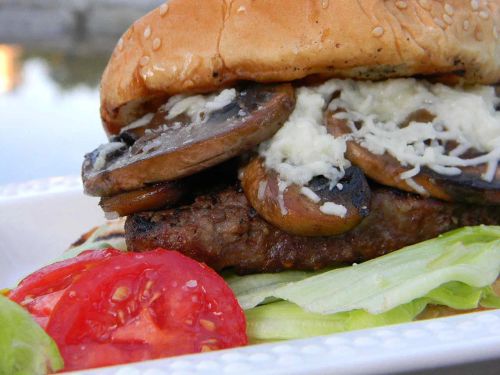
{"points": [[199, 46]]}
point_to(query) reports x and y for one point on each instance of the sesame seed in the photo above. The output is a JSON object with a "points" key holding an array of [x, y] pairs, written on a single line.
{"points": [[378, 31], [495, 32], [447, 19], [424, 4], [466, 25], [163, 9], [241, 9], [120, 44], [146, 72], [129, 32], [401, 4], [449, 9], [156, 43], [484, 14], [474, 4], [440, 23], [144, 60], [324, 4], [147, 32]]}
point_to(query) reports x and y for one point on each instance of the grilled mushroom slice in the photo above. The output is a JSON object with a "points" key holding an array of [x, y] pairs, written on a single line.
{"points": [[150, 198], [385, 169], [181, 148], [315, 210], [171, 193]]}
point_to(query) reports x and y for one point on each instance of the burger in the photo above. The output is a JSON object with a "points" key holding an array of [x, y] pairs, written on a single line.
{"points": [[266, 136], [270, 136], [336, 162]]}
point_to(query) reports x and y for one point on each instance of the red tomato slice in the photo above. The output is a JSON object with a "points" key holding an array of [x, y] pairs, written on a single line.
{"points": [[134, 307], [40, 291]]}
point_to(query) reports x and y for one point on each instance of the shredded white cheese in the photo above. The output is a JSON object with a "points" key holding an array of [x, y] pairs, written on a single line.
{"points": [[190, 105], [261, 193], [198, 107], [144, 120], [466, 116], [103, 152], [489, 175], [330, 208], [224, 98], [311, 195], [416, 187], [377, 113], [303, 149], [281, 199]]}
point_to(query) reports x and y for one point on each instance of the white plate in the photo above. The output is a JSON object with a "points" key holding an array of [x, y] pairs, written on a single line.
{"points": [[38, 220]]}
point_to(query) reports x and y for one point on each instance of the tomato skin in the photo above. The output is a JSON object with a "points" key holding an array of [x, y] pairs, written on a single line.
{"points": [[41, 291], [134, 307]]}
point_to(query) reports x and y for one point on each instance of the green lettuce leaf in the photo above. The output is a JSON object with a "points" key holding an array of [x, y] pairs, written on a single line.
{"points": [[25, 348], [258, 289], [490, 299], [468, 255], [284, 320]]}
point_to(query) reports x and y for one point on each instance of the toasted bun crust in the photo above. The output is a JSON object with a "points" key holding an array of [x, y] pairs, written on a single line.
{"points": [[199, 46]]}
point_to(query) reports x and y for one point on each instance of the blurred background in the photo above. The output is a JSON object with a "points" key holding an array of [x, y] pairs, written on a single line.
{"points": [[52, 54]]}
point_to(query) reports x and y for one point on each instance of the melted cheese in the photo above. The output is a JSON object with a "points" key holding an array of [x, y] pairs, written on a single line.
{"points": [[144, 120], [302, 149], [261, 193], [311, 195], [330, 208], [198, 107], [103, 152], [466, 116]]}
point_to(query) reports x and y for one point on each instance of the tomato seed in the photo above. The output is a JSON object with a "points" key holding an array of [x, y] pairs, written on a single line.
{"points": [[207, 324], [121, 293]]}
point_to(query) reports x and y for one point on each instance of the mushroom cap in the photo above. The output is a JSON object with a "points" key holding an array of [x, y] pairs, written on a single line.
{"points": [[199, 46], [254, 115], [295, 213]]}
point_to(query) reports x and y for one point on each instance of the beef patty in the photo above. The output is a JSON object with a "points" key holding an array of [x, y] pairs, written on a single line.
{"points": [[222, 230]]}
